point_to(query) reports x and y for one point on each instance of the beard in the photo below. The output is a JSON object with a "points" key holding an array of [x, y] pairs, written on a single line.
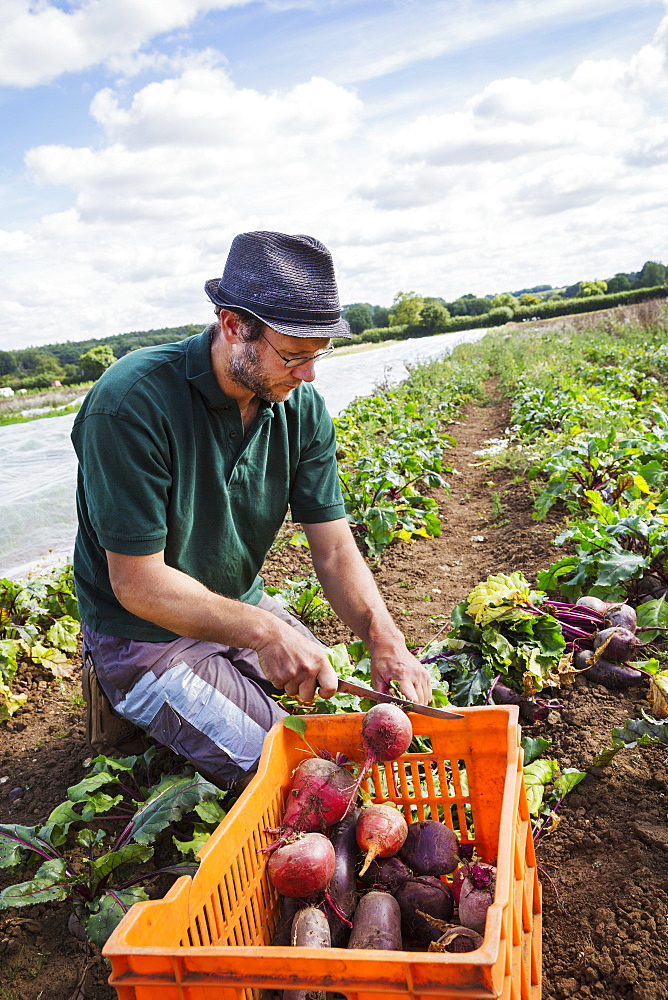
{"points": [[246, 370]]}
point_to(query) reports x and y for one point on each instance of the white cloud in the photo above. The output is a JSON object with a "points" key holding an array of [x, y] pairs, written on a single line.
{"points": [[39, 41], [527, 181]]}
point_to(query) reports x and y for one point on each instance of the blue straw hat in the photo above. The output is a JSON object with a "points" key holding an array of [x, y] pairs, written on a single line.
{"points": [[286, 281]]}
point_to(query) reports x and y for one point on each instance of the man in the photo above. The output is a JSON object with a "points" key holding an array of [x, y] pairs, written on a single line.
{"points": [[189, 456]]}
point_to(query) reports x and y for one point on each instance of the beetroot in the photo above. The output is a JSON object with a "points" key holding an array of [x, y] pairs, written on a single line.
{"points": [[309, 930], [611, 675], [303, 866], [619, 643], [342, 892], [456, 939], [530, 712], [319, 797], [477, 895], [594, 603], [386, 873], [377, 923], [386, 732], [425, 895], [381, 830], [623, 615], [457, 879], [430, 848], [283, 935]]}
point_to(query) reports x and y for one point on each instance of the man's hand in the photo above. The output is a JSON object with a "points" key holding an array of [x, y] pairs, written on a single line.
{"points": [[401, 666], [296, 664]]}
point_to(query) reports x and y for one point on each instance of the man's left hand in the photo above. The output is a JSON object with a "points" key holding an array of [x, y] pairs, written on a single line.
{"points": [[401, 666]]}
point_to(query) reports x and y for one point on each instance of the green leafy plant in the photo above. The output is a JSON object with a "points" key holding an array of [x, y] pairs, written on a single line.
{"points": [[616, 468], [593, 464], [634, 733], [546, 785], [302, 596], [499, 629], [620, 553], [38, 621], [382, 505], [92, 868]]}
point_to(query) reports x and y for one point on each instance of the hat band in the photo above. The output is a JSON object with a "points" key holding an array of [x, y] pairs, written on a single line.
{"points": [[276, 312]]}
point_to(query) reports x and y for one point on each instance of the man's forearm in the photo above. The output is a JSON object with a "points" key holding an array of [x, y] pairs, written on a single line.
{"points": [[167, 597]]}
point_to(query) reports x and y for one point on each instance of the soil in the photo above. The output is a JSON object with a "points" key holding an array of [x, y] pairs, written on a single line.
{"points": [[605, 866]]}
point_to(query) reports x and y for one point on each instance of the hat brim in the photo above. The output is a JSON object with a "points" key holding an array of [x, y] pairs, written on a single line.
{"points": [[324, 328]]}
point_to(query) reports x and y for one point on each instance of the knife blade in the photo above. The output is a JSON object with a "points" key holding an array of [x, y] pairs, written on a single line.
{"points": [[365, 692]]}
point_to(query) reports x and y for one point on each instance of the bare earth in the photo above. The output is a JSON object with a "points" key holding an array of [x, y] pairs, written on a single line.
{"points": [[605, 868]]}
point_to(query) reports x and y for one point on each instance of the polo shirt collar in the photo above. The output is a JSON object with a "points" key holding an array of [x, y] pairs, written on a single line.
{"points": [[201, 375]]}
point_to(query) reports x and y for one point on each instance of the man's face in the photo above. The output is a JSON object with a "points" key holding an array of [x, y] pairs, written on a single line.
{"points": [[260, 366]]}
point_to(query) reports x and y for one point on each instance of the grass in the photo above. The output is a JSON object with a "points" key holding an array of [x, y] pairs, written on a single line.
{"points": [[498, 506], [18, 419]]}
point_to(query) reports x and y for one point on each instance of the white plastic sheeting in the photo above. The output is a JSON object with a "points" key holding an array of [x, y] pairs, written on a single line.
{"points": [[38, 465]]}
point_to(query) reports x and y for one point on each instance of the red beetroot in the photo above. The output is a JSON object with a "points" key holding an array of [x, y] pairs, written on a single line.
{"points": [[477, 895], [617, 643], [610, 675], [381, 830], [622, 615], [386, 732], [319, 797], [456, 939], [342, 892], [593, 603], [302, 867], [377, 923]]}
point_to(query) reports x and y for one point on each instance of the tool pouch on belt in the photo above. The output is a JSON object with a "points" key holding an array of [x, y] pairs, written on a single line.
{"points": [[104, 729]]}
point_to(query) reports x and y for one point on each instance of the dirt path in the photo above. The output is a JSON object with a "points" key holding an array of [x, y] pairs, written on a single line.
{"points": [[605, 936]]}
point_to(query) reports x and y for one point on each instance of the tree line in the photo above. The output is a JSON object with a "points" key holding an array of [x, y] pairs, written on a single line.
{"points": [[409, 315], [77, 361], [411, 309]]}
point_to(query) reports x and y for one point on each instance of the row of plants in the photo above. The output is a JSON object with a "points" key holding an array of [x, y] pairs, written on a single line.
{"points": [[589, 429], [391, 447]]}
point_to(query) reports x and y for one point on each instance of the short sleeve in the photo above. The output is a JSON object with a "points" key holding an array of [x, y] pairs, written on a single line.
{"points": [[126, 482], [315, 494]]}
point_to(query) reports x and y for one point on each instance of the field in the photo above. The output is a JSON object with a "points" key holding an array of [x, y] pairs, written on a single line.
{"points": [[605, 864]]}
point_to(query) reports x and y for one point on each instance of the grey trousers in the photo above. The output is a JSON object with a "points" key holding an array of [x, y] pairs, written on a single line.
{"points": [[208, 702]]}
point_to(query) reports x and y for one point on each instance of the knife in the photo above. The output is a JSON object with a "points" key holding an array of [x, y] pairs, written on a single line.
{"points": [[365, 692]]}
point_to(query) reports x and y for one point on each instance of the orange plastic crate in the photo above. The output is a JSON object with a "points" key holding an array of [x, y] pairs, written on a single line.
{"points": [[209, 938]]}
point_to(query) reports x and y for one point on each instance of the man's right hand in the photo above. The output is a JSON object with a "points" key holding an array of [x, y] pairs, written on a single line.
{"points": [[297, 665]]}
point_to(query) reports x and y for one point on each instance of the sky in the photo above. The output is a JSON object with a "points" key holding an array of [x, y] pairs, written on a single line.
{"points": [[436, 146]]}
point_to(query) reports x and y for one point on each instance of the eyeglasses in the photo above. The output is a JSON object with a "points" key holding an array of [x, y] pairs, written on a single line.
{"points": [[297, 362]]}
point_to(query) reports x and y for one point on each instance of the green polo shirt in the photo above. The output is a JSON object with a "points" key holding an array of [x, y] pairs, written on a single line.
{"points": [[164, 464]]}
